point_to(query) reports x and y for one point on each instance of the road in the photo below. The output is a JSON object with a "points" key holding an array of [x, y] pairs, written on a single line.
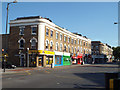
{"points": [[76, 76]]}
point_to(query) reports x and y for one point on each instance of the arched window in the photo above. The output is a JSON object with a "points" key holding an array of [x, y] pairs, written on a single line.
{"points": [[33, 43], [21, 43]]}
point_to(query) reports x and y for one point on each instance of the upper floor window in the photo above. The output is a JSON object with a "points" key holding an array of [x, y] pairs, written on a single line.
{"points": [[72, 50], [75, 41], [56, 46], [78, 49], [75, 49], [72, 41], [84, 43], [81, 42], [69, 49], [64, 38], [47, 42], [56, 35], [84, 51], [47, 32], [22, 30], [96, 47], [51, 45], [61, 37], [78, 41], [21, 43], [68, 39], [61, 47], [65, 48], [33, 43], [51, 33], [34, 29], [81, 49]]}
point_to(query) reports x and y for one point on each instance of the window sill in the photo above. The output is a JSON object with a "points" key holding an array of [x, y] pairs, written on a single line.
{"points": [[21, 34], [34, 34]]}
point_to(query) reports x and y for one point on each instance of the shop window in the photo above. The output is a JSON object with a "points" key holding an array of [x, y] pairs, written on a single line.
{"points": [[58, 60], [49, 60], [47, 32], [67, 59], [34, 30]]}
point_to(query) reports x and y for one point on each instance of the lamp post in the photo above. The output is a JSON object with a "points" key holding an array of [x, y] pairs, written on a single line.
{"points": [[4, 62], [7, 20], [27, 57]]}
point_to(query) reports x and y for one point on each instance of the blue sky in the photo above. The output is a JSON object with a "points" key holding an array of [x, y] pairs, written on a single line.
{"points": [[92, 19]]}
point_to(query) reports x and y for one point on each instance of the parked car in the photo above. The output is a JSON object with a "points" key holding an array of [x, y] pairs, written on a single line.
{"points": [[8, 65]]}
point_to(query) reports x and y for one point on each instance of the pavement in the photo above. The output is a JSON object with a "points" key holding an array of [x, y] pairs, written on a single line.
{"points": [[24, 69]]}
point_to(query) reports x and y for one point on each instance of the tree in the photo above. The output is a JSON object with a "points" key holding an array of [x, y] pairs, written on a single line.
{"points": [[116, 52]]}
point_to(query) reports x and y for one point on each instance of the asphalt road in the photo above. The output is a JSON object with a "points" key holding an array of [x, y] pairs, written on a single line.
{"points": [[91, 76]]}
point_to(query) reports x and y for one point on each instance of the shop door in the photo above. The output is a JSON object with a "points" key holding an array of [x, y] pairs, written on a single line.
{"points": [[40, 61], [78, 60]]}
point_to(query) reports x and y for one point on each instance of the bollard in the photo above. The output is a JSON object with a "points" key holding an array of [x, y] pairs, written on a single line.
{"points": [[109, 76]]}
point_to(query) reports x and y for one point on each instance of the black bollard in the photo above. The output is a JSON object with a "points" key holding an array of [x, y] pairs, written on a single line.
{"points": [[108, 76]]}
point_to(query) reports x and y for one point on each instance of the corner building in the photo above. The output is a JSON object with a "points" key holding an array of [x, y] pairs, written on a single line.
{"points": [[37, 41]]}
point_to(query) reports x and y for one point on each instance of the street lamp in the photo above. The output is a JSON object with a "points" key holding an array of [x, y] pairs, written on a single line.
{"points": [[7, 19], [27, 57]]}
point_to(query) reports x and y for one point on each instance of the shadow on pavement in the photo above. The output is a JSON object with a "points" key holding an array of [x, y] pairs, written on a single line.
{"points": [[97, 81]]}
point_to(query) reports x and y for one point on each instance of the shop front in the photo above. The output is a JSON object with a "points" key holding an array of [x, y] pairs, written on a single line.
{"points": [[74, 59], [66, 59], [80, 60], [58, 59], [40, 58]]}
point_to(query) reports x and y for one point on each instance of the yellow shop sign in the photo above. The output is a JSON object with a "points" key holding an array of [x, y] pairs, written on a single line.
{"points": [[49, 52], [41, 52]]}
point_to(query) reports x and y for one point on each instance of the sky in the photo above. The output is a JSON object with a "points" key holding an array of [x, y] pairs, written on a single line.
{"points": [[92, 19]]}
